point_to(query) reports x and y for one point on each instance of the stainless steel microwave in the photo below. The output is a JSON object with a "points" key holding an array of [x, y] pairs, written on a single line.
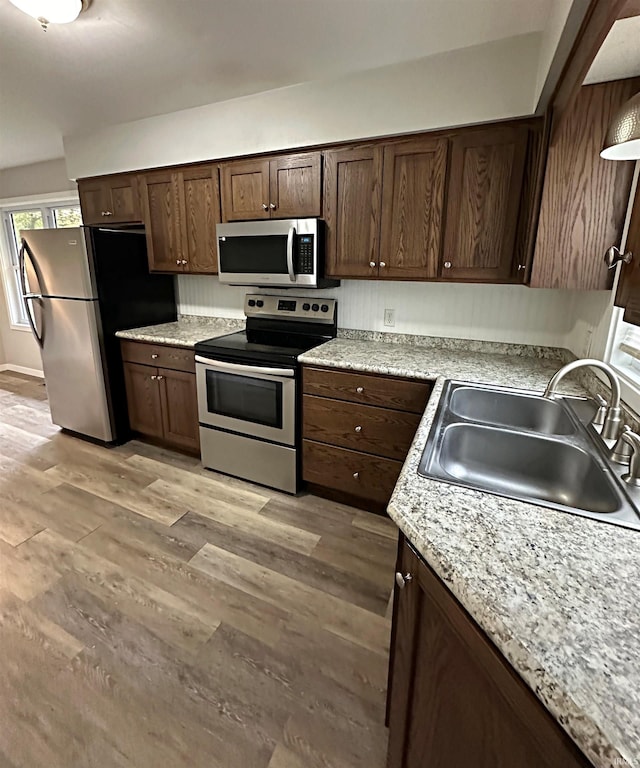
{"points": [[279, 254]]}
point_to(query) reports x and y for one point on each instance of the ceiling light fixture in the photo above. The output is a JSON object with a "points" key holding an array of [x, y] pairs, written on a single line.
{"points": [[623, 137], [52, 11]]}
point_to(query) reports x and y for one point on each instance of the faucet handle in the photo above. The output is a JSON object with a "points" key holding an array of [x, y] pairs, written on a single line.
{"points": [[601, 413], [623, 450], [633, 475]]}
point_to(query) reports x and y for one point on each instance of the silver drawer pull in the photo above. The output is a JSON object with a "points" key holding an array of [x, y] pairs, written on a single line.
{"points": [[154, 356], [356, 475], [359, 390], [358, 428], [178, 261], [160, 378], [447, 265], [154, 378], [401, 580], [372, 264]]}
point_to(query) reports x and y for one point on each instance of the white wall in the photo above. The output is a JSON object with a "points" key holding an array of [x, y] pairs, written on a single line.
{"points": [[477, 84], [508, 313]]}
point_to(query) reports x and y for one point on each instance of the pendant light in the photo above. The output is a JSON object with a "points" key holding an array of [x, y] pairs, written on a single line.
{"points": [[52, 11], [623, 137]]}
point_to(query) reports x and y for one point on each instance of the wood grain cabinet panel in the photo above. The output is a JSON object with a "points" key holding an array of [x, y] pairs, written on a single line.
{"points": [[584, 198], [454, 700], [414, 177], [352, 210], [485, 186], [368, 389], [245, 190], [200, 200], [179, 408], [161, 355], [144, 399], [110, 199], [162, 216], [628, 293], [380, 431], [360, 475], [295, 186]]}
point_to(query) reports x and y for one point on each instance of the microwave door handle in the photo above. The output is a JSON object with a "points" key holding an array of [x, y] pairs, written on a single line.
{"points": [[239, 368], [290, 236]]}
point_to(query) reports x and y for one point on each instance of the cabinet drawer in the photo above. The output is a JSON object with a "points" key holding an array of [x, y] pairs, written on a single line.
{"points": [[176, 358], [367, 389], [359, 474], [361, 427]]}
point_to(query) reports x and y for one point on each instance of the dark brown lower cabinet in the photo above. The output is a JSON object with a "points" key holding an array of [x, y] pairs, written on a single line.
{"points": [[163, 405], [453, 700]]}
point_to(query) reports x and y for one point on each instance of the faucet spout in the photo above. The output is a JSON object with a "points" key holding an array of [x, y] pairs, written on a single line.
{"points": [[613, 420]]}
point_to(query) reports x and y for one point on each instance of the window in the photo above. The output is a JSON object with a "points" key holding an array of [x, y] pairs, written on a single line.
{"points": [[63, 214]]}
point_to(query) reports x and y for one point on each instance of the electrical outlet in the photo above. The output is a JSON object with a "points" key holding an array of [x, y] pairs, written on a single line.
{"points": [[390, 317]]}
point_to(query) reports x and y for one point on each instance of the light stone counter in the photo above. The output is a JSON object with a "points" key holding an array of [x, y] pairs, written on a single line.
{"points": [[185, 332], [557, 593]]}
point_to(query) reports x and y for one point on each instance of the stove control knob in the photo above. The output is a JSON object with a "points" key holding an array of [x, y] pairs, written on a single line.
{"points": [[315, 307], [306, 307], [325, 308], [251, 302], [260, 303]]}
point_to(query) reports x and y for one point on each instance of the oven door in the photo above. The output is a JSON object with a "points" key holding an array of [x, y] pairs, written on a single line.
{"points": [[249, 400]]}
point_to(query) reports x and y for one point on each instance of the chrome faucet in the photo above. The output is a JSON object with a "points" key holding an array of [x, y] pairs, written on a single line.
{"points": [[613, 416]]}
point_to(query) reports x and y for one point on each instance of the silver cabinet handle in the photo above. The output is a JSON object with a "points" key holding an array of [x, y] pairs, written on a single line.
{"points": [[372, 264], [273, 206], [383, 264], [159, 378], [265, 207], [154, 356], [356, 475], [401, 580], [359, 390], [154, 378], [614, 256], [107, 213], [521, 267], [358, 428], [447, 265], [178, 262], [184, 261]]}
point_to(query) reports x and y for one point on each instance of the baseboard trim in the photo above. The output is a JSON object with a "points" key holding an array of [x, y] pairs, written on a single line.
{"points": [[22, 369]]}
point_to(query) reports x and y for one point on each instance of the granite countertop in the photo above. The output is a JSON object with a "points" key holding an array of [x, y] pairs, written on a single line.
{"points": [[185, 332], [554, 591]]}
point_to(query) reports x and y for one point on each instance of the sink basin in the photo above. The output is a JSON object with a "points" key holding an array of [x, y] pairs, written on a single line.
{"points": [[511, 409], [526, 466], [520, 445]]}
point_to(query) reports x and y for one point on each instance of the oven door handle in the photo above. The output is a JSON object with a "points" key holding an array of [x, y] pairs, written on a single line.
{"points": [[290, 236], [235, 368]]}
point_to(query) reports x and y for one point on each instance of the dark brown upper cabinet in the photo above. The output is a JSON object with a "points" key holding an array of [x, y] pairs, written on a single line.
{"points": [[352, 210], [413, 189], [628, 293], [279, 188], [485, 189], [181, 209], [454, 700], [110, 199], [585, 198]]}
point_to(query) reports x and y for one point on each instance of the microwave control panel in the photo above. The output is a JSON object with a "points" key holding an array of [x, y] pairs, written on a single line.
{"points": [[304, 255]]}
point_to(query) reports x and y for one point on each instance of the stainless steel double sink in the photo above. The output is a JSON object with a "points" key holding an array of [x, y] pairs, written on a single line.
{"points": [[523, 446]]}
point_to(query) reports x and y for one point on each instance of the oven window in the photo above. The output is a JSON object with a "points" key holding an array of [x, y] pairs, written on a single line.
{"points": [[243, 397], [254, 254]]}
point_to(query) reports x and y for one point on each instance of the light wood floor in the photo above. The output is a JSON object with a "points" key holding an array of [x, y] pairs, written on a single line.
{"points": [[155, 614]]}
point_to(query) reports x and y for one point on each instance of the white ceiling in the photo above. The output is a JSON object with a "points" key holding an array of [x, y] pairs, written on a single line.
{"points": [[128, 59], [619, 56]]}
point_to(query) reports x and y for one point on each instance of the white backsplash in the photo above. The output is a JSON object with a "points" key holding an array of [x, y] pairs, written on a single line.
{"points": [[508, 313]]}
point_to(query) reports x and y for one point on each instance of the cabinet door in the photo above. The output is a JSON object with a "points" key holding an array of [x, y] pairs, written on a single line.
{"points": [[584, 198], [413, 208], [161, 199], [485, 186], [143, 399], [352, 208], [628, 293], [295, 182], [454, 700], [95, 200], [179, 408], [200, 198], [245, 190], [125, 202]]}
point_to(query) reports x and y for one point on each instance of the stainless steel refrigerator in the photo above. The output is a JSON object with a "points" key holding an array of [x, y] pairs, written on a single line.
{"points": [[80, 286]]}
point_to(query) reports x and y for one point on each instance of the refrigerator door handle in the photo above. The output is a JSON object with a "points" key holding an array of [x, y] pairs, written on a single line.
{"points": [[26, 295]]}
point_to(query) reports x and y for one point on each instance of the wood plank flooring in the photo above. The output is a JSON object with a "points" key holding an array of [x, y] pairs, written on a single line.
{"points": [[153, 613]]}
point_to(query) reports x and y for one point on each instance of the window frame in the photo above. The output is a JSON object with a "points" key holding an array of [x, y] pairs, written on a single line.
{"points": [[9, 276]]}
